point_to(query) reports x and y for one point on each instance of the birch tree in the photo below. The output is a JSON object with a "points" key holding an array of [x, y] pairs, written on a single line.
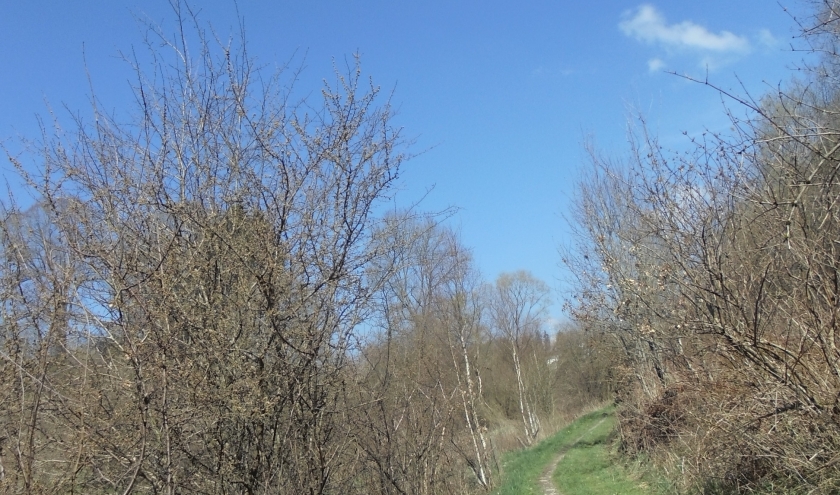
{"points": [[518, 310]]}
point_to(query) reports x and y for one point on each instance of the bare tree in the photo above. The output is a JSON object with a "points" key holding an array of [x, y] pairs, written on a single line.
{"points": [[461, 309], [518, 310], [427, 385]]}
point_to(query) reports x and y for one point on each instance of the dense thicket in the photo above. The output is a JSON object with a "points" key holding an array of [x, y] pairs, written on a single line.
{"points": [[204, 297], [716, 273]]}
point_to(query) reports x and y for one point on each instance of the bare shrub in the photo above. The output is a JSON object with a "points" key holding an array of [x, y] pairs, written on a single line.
{"points": [[714, 272], [181, 305]]}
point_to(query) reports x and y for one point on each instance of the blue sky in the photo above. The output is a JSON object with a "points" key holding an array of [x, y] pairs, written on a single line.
{"points": [[499, 96]]}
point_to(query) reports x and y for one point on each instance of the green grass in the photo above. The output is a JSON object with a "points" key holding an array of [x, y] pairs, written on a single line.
{"points": [[587, 467], [521, 470]]}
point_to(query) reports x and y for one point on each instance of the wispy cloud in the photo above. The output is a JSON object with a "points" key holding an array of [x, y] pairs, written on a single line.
{"points": [[656, 64], [766, 38], [648, 25]]}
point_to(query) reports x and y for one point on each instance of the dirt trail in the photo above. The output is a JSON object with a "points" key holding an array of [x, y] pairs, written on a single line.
{"points": [[545, 478]]}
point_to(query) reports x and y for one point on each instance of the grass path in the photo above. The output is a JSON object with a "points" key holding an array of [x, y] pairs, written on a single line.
{"points": [[575, 461], [548, 486]]}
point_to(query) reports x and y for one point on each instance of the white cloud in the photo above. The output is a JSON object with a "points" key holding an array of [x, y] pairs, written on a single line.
{"points": [[766, 38], [647, 24], [656, 64]]}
